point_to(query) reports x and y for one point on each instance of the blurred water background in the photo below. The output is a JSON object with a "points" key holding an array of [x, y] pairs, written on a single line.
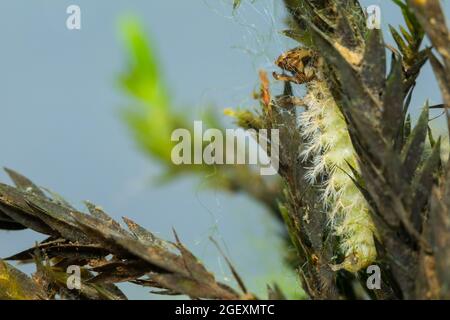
{"points": [[60, 119]]}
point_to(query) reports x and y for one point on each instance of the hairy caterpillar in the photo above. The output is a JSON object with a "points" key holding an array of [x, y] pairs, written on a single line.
{"points": [[329, 148]]}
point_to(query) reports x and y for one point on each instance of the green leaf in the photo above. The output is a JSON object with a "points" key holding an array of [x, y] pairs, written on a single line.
{"points": [[407, 36], [413, 150], [404, 48], [423, 184], [374, 62], [15, 285], [236, 4], [151, 118], [393, 116]]}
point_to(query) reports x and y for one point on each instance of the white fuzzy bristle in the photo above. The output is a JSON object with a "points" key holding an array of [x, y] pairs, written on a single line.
{"points": [[329, 149]]}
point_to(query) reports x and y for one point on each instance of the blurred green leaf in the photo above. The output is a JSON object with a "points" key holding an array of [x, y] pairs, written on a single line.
{"points": [[151, 119], [236, 4]]}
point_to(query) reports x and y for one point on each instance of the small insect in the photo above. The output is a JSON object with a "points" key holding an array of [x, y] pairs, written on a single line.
{"points": [[314, 259], [299, 62]]}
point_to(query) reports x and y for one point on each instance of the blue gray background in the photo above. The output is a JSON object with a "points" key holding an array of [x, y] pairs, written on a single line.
{"points": [[60, 122]]}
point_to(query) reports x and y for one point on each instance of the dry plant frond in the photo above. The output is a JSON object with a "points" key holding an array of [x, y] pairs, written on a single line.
{"points": [[106, 252]]}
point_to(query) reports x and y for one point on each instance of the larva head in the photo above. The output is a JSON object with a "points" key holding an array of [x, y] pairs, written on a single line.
{"points": [[294, 60]]}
